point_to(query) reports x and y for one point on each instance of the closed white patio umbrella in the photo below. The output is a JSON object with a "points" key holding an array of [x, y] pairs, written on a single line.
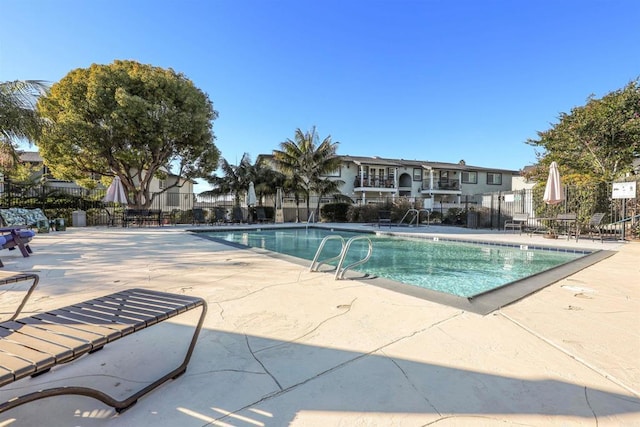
{"points": [[252, 199], [553, 193], [115, 192]]}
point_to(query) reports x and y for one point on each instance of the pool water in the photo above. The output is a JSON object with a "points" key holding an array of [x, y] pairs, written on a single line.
{"points": [[461, 269]]}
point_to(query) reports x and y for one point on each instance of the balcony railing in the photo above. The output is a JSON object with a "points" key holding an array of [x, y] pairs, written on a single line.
{"points": [[443, 184], [374, 183]]}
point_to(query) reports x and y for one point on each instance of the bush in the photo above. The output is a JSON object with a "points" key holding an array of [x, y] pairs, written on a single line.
{"points": [[455, 216], [363, 213], [399, 209], [369, 213], [435, 217], [335, 212]]}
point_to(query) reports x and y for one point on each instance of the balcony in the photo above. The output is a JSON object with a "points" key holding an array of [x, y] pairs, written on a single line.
{"points": [[377, 184], [443, 186]]}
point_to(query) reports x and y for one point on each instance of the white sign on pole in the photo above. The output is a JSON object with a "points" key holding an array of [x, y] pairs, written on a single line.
{"points": [[624, 190]]}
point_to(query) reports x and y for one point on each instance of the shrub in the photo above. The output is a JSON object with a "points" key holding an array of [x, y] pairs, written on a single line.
{"points": [[335, 212], [399, 209], [363, 213], [435, 217], [455, 216]]}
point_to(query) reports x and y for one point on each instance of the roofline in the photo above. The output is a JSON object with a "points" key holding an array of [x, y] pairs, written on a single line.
{"points": [[425, 164]]}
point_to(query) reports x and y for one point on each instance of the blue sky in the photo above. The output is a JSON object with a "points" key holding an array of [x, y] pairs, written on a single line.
{"points": [[429, 80]]}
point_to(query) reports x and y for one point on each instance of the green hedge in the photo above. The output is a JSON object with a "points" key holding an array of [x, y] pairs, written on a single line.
{"points": [[335, 212]]}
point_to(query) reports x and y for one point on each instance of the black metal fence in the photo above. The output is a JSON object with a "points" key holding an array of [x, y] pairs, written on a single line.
{"points": [[584, 201], [489, 210]]}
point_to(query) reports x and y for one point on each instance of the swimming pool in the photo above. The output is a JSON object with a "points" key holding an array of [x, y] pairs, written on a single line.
{"points": [[459, 269]]}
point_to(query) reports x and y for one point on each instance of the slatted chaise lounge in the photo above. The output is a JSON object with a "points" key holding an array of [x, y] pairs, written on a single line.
{"points": [[32, 345]]}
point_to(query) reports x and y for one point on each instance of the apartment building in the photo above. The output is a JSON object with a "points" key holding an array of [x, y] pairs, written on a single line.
{"points": [[376, 179]]}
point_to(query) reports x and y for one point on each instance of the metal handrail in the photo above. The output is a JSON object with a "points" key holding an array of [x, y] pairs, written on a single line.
{"points": [[339, 269], [315, 264], [428, 211], [417, 212], [312, 216]]}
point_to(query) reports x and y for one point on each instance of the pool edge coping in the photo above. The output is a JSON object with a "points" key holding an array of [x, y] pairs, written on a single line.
{"points": [[483, 304]]}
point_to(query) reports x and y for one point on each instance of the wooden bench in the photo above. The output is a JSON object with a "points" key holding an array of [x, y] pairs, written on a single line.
{"points": [[142, 217], [33, 345]]}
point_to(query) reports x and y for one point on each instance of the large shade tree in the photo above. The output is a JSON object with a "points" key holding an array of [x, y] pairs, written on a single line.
{"points": [[130, 120], [307, 161], [19, 120], [597, 141]]}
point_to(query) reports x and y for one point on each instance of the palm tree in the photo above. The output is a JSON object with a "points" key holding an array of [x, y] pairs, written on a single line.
{"points": [[326, 187], [306, 161], [292, 185], [235, 179], [18, 116], [266, 180]]}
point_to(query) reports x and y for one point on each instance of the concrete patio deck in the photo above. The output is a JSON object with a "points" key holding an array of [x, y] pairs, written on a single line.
{"points": [[282, 346]]}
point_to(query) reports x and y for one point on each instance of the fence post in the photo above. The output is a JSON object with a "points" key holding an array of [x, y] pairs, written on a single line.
{"points": [[491, 205], [499, 209], [7, 181], [43, 195], [624, 217]]}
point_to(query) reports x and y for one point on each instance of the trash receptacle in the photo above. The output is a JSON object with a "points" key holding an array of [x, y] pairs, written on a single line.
{"points": [[79, 218], [60, 224]]}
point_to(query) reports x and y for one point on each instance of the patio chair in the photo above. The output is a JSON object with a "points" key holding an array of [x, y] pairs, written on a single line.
{"points": [[384, 217], [198, 216], [595, 226], [261, 216], [518, 222], [219, 216], [236, 215], [8, 241]]}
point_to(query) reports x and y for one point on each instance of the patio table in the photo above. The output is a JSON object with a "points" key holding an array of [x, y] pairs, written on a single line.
{"points": [[553, 224]]}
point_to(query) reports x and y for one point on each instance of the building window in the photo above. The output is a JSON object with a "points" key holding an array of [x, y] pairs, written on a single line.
{"points": [[334, 173], [173, 199], [417, 174], [162, 184], [293, 200], [391, 174], [494, 178], [469, 177]]}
